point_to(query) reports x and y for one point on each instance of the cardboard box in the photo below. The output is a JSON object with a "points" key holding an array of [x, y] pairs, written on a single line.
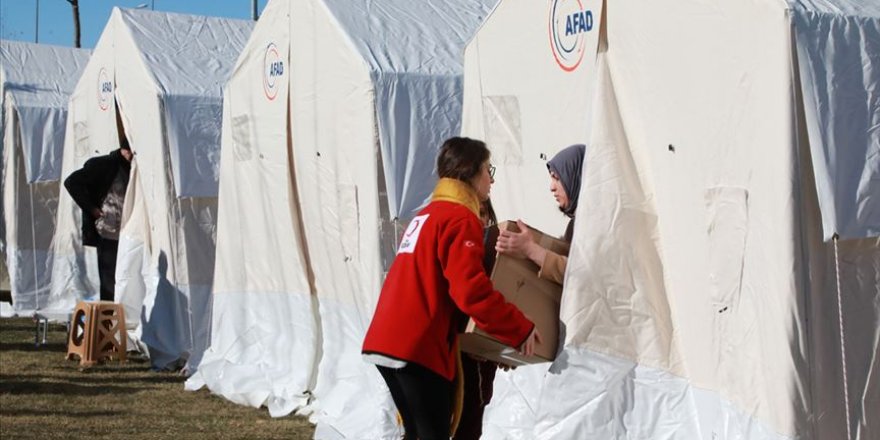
{"points": [[517, 279]]}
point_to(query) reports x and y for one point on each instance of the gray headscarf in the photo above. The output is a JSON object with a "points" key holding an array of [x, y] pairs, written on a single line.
{"points": [[568, 164]]}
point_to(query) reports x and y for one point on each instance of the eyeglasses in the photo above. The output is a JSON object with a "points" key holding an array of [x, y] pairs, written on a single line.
{"points": [[492, 171]]}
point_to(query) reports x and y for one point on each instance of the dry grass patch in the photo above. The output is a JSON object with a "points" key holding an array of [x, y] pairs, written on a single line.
{"points": [[44, 396]]}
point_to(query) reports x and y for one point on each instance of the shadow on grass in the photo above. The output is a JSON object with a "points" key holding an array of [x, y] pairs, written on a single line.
{"points": [[20, 387], [52, 347], [43, 396], [150, 379], [13, 412], [142, 379]]}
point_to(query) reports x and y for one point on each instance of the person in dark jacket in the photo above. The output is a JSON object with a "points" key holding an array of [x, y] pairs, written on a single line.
{"points": [[99, 190], [436, 279]]}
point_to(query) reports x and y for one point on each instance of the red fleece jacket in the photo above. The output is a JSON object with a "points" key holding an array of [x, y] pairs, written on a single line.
{"points": [[438, 272]]}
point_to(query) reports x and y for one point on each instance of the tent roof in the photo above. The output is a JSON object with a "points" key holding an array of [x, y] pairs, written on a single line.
{"points": [[39, 75], [371, 24], [188, 55], [851, 8], [189, 59], [38, 80]]}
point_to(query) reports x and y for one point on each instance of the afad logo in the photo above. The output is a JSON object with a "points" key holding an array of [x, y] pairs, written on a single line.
{"points": [[105, 90], [273, 70], [569, 25]]}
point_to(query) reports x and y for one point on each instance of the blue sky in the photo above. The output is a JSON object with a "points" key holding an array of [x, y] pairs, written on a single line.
{"points": [[17, 17]]}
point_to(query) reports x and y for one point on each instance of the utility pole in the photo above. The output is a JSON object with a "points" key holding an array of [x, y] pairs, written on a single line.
{"points": [[37, 24], [254, 15], [74, 5]]}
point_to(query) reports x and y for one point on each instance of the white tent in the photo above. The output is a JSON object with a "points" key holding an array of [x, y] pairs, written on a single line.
{"points": [[35, 83], [331, 124], [725, 141], [164, 72]]}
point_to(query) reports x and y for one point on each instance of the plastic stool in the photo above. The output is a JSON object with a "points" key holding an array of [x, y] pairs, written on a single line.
{"points": [[97, 332]]}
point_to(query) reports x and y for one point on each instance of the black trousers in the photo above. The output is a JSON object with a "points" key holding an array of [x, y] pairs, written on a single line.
{"points": [[424, 400], [107, 250], [479, 380]]}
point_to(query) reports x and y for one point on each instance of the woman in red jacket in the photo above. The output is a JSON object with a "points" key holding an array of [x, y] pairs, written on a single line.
{"points": [[435, 282]]}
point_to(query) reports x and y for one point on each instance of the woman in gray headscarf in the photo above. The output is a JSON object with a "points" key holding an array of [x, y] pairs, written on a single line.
{"points": [[565, 183]]}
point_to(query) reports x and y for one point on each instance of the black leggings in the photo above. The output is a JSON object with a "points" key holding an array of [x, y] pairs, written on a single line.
{"points": [[423, 399], [107, 250], [479, 377]]}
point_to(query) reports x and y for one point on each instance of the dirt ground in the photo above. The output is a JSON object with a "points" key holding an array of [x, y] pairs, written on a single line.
{"points": [[44, 396]]}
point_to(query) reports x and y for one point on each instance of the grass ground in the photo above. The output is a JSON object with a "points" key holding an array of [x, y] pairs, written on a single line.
{"points": [[44, 396]]}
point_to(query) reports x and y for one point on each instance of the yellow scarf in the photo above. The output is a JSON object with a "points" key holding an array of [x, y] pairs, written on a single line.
{"points": [[454, 190]]}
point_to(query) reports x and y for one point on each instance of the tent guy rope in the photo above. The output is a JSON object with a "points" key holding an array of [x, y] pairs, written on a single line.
{"points": [[842, 344]]}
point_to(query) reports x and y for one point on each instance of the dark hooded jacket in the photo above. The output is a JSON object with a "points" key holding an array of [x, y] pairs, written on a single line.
{"points": [[88, 186]]}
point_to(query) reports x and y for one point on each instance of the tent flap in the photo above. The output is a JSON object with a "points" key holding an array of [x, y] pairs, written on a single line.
{"points": [[416, 114], [840, 80], [42, 137]]}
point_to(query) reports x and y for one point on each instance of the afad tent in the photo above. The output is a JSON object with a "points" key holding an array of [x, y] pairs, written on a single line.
{"points": [[35, 83], [332, 120], [164, 73], [728, 142]]}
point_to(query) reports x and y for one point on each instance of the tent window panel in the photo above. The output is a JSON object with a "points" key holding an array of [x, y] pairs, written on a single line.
{"points": [[35, 208], [242, 145], [198, 151], [502, 120], [44, 196], [198, 223], [42, 140], [727, 227], [81, 139]]}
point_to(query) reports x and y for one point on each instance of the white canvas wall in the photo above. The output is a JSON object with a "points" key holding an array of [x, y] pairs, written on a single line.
{"points": [[35, 82], [697, 302], [365, 116], [264, 333], [700, 300], [525, 124], [162, 68]]}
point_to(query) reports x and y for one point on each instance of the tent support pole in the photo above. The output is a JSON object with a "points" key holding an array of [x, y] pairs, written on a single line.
{"points": [[34, 247]]}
